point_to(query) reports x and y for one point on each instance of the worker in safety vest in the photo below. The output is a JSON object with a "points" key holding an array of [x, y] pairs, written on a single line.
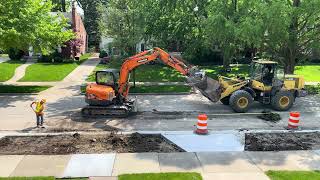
{"points": [[39, 111]]}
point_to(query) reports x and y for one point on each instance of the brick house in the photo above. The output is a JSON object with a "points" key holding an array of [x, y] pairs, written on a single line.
{"points": [[75, 20]]}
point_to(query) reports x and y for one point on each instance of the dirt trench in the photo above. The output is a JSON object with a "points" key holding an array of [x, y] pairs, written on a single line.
{"points": [[282, 141], [80, 144]]}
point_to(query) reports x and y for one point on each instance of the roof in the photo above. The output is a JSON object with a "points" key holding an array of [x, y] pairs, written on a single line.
{"points": [[263, 61]]}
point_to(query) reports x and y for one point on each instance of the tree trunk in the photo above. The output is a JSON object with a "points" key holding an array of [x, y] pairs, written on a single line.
{"points": [[291, 51], [290, 65], [63, 6]]}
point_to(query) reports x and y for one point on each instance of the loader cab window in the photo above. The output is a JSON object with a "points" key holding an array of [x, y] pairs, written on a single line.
{"points": [[263, 73], [105, 78], [268, 74], [280, 73], [256, 71]]}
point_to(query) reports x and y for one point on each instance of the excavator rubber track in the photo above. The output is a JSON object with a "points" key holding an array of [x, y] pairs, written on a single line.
{"points": [[119, 111]]}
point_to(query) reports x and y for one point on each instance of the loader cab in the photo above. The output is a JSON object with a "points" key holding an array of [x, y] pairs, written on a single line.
{"points": [[266, 72], [108, 77]]}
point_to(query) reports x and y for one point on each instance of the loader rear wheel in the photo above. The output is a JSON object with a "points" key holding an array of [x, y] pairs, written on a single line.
{"points": [[240, 101], [225, 100], [282, 101]]}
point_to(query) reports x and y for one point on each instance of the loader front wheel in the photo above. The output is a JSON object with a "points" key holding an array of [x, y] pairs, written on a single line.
{"points": [[225, 100], [282, 101], [240, 101]]}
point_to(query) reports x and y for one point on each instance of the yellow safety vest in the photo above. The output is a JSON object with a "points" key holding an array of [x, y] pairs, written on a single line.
{"points": [[39, 107]]}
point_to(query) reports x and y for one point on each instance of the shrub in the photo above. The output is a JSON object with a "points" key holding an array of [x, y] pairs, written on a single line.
{"points": [[15, 54], [45, 58], [57, 57], [103, 54], [313, 89]]}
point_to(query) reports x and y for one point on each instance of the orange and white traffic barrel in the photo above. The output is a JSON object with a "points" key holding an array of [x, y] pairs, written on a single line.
{"points": [[202, 125], [294, 120]]}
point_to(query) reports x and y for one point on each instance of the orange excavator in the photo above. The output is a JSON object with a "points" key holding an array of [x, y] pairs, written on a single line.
{"points": [[109, 94]]}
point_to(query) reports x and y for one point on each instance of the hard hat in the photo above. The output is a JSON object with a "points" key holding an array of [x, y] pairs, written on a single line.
{"points": [[43, 100]]}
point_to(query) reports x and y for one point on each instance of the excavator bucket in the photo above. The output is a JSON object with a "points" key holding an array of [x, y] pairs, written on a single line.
{"points": [[208, 87]]}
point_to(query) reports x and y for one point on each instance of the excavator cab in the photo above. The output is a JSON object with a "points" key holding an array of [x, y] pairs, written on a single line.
{"points": [[108, 77]]}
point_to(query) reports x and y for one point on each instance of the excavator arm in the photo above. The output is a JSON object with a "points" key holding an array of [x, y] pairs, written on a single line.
{"points": [[111, 100], [143, 58]]}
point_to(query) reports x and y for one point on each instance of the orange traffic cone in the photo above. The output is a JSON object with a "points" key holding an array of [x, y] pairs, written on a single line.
{"points": [[202, 125], [294, 120]]}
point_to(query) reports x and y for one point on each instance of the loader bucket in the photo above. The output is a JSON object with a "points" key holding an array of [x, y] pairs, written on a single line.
{"points": [[208, 87]]}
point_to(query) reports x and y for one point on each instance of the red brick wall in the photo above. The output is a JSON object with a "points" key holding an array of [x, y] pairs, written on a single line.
{"points": [[79, 29]]}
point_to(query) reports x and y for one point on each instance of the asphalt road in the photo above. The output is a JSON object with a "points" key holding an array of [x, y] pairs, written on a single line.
{"points": [[155, 113], [178, 113]]}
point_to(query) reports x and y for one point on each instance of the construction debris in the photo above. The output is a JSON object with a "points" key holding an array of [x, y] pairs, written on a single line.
{"points": [[282, 141], [270, 116]]}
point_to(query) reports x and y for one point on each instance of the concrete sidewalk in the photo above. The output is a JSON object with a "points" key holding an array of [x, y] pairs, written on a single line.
{"points": [[20, 71], [212, 165]]}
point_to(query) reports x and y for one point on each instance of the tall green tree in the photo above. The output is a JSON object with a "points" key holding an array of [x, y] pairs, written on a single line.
{"points": [[91, 19], [25, 23], [291, 29], [124, 22]]}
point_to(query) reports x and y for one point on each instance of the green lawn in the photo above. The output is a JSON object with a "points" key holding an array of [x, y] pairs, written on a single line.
{"points": [[311, 73], [161, 176], [7, 69], [157, 73], [22, 89], [236, 70], [45, 72], [294, 175]]}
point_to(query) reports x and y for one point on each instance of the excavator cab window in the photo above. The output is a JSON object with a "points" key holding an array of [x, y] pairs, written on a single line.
{"points": [[108, 78]]}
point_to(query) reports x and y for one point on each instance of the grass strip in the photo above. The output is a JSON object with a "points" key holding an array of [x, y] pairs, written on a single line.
{"points": [[294, 175], [22, 89]]}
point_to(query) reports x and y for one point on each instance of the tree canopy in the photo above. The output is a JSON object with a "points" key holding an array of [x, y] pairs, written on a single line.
{"points": [[287, 31], [25, 23]]}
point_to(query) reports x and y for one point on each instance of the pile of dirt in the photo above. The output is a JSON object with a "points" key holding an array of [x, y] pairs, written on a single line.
{"points": [[270, 116], [282, 141], [77, 143]]}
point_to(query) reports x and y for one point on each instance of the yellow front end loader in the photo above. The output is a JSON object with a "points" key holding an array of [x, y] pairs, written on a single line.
{"points": [[267, 84]]}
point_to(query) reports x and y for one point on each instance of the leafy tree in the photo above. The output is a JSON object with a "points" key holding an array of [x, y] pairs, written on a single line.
{"points": [[291, 29], [61, 5], [122, 21], [25, 23], [91, 18]]}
